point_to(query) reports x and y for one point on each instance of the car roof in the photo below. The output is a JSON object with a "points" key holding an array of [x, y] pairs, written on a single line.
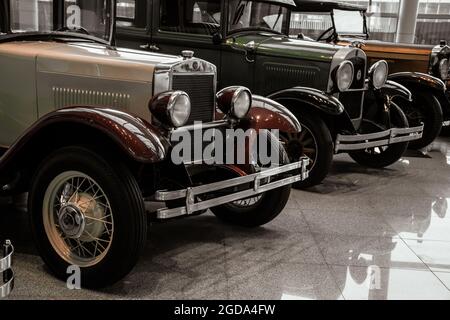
{"points": [[290, 3], [325, 6]]}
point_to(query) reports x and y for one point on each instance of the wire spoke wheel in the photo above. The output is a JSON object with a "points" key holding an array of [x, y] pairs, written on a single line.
{"points": [[78, 219], [301, 144]]}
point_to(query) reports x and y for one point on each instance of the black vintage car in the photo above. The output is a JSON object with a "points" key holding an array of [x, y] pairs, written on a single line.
{"points": [[423, 69], [343, 104]]}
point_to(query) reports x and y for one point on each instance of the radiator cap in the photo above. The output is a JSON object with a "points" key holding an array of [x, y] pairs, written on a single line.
{"points": [[187, 54]]}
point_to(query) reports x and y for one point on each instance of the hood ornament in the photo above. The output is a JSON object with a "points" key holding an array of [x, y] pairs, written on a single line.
{"points": [[187, 54]]}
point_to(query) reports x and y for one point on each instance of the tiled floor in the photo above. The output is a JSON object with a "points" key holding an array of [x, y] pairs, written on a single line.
{"points": [[363, 234]]}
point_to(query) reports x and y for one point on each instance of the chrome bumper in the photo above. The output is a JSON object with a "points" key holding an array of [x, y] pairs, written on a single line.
{"points": [[260, 185], [6, 273], [378, 139]]}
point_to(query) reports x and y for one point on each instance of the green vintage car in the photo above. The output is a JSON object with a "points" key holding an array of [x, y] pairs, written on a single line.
{"points": [[423, 69], [343, 104]]}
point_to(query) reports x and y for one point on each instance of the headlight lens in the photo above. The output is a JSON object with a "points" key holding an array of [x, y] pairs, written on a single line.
{"points": [[179, 108], [444, 67], [344, 76], [241, 103], [171, 108], [379, 73], [235, 101]]}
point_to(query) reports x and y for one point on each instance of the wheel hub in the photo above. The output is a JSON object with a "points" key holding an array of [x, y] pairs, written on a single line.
{"points": [[72, 221]]}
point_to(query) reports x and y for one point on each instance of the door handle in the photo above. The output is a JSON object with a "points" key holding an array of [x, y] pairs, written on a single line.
{"points": [[150, 47]]}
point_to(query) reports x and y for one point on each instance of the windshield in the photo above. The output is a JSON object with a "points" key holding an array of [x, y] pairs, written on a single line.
{"points": [[310, 25], [88, 17], [256, 15], [349, 22]]}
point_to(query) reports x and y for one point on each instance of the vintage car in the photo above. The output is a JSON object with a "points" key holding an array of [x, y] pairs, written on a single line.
{"points": [[6, 273], [86, 128], [423, 69], [342, 104]]}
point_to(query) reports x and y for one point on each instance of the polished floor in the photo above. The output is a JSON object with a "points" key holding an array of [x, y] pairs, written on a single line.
{"points": [[363, 234]]}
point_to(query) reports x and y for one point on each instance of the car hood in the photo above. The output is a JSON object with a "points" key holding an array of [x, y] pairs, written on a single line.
{"points": [[388, 47], [282, 46], [90, 60]]}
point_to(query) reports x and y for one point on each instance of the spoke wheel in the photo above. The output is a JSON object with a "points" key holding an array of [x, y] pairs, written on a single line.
{"points": [[301, 144], [78, 219]]}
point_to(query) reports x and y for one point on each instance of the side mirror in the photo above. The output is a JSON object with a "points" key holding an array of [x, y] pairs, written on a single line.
{"points": [[217, 38]]}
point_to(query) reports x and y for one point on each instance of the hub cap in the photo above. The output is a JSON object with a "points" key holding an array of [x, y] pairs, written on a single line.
{"points": [[78, 219]]}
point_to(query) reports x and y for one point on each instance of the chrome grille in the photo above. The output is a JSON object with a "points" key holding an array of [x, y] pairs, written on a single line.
{"points": [[201, 91], [353, 100]]}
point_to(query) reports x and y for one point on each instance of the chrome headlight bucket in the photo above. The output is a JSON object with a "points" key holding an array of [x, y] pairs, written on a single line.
{"points": [[378, 74], [171, 108], [235, 101], [444, 69], [344, 75]]}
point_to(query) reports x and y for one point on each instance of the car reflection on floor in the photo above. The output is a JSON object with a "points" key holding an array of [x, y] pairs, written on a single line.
{"points": [[362, 234]]}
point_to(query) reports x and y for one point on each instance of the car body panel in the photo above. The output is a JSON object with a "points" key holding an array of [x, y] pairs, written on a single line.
{"points": [[62, 75]]}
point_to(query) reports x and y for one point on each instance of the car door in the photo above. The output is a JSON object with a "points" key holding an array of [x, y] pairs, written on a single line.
{"points": [[187, 25]]}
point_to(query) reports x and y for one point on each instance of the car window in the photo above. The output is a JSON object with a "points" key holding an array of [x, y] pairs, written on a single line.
{"points": [[311, 24], [349, 22], [191, 16], [255, 15], [31, 15]]}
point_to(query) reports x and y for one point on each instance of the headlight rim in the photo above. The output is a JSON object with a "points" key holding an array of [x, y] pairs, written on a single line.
{"points": [[339, 69], [161, 106], [227, 97], [372, 71], [236, 95], [447, 61], [171, 105]]}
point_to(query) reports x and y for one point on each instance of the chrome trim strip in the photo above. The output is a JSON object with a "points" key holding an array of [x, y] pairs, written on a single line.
{"points": [[6, 273], [384, 138], [259, 187]]}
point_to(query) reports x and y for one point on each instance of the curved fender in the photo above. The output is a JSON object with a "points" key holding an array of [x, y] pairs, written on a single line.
{"points": [[268, 114], [418, 78], [138, 138], [394, 89], [315, 98]]}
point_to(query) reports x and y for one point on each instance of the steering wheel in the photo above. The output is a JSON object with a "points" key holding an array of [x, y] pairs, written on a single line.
{"points": [[327, 39]]}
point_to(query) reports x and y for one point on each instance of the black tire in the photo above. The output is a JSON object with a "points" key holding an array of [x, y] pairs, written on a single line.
{"points": [[387, 155], [268, 207], [264, 208], [425, 109], [126, 209], [315, 127]]}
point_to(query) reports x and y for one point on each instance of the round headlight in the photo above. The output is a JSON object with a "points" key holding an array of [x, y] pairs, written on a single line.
{"points": [[171, 108], [379, 73], [344, 76], [241, 103], [235, 101], [444, 67], [179, 108]]}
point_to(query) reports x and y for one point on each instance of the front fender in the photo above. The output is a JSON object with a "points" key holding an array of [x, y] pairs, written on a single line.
{"points": [[136, 137], [394, 89], [268, 114], [423, 80], [313, 98]]}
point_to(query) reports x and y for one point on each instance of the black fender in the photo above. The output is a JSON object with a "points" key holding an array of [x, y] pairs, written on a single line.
{"points": [[394, 89], [313, 98], [326, 105], [135, 137], [424, 82]]}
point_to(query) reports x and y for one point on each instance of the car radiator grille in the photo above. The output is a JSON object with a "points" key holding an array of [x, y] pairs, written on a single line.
{"points": [[352, 101], [200, 89]]}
